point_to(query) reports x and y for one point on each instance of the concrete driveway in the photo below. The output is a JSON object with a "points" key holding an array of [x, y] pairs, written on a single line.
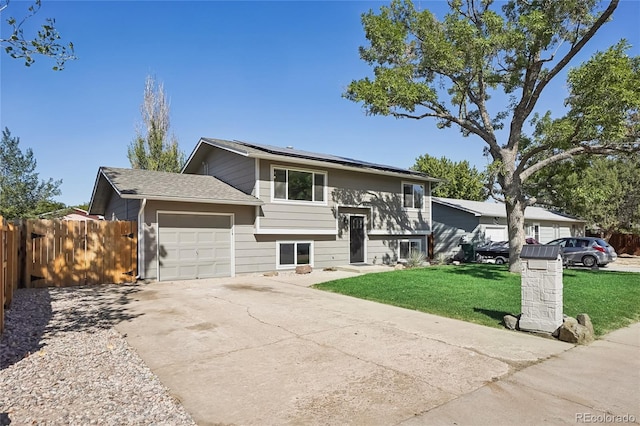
{"points": [[270, 350]]}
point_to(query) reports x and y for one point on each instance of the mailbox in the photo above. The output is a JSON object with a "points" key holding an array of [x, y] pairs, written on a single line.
{"points": [[541, 288]]}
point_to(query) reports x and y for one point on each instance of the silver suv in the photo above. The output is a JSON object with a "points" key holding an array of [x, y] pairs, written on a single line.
{"points": [[589, 251]]}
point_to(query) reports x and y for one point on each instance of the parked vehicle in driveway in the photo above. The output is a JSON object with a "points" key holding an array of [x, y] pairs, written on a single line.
{"points": [[493, 252], [589, 251], [497, 251]]}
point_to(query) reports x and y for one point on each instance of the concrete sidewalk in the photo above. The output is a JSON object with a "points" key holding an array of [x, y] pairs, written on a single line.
{"points": [[270, 350], [598, 383]]}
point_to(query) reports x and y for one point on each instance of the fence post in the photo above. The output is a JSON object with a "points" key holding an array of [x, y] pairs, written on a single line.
{"points": [[2, 272]]}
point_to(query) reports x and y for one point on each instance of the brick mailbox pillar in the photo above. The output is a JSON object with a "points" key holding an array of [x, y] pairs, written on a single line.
{"points": [[541, 288]]}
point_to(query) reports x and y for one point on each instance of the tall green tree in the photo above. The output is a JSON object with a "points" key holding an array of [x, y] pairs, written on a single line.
{"points": [[22, 193], [153, 148], [45, 42], [604, 191], [483, 68], [460, 179]]}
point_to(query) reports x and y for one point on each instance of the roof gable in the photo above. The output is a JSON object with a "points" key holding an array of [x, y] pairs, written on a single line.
{"points": [[153, 185], [305, 157]]}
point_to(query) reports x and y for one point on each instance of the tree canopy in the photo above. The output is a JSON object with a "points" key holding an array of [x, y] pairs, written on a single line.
{"points": [[46, 42], [22, 193], [604, 191], [460, 179], [484, 67], [153, 148]]}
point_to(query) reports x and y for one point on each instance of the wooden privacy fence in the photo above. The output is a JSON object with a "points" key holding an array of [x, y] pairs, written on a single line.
{"points": [[626, 243], [66, 253], [9, 265]]}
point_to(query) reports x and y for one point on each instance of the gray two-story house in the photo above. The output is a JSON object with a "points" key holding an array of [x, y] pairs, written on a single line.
{"points": [[240, 207]]}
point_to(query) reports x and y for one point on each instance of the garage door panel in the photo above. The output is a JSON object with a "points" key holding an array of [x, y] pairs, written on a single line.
{"points": [[495, 233], [194, 246]]}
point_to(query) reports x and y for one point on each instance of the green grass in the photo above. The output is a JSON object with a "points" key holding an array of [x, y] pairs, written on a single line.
{"points": [[483, 294]]}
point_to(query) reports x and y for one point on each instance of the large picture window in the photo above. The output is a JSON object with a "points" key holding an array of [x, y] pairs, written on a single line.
{"points": [[294, 253], [413, 195], [298, 185]]}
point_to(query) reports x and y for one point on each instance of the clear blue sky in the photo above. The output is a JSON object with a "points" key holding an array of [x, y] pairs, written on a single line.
{"points": [[266, 72]]}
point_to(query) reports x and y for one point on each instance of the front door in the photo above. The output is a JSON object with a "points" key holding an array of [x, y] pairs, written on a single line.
{"points": [[356, 236]]}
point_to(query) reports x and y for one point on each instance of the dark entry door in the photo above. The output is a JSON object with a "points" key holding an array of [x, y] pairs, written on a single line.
{"points": [[356, 235]]}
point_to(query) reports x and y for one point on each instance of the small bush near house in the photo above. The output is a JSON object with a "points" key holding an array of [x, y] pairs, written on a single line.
{"points": [[416, 259]]}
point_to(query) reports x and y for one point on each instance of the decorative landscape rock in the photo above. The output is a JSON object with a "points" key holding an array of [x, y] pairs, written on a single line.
{"points": [[585, 320], [510, 322], [572, 332], [304, 269], [270, 274]]}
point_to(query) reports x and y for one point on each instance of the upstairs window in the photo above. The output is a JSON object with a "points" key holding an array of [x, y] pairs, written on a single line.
{"points": [[298, 185], [413, 195]]}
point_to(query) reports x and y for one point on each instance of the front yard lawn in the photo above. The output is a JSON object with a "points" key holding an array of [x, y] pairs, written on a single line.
{"points": [[485, 293]]}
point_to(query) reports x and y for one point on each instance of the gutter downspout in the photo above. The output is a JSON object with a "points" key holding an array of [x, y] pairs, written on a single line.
{"points": [[141, 238]]}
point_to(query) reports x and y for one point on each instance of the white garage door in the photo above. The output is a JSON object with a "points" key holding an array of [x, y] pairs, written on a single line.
{"points": [[193, 246], [495, 233]]}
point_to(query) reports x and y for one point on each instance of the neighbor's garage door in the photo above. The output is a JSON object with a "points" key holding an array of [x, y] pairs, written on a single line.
{"points": [[194, 246], [495, 233]]}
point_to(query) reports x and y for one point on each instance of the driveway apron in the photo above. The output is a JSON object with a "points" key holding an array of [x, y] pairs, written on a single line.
{"points": [[270, 350]]}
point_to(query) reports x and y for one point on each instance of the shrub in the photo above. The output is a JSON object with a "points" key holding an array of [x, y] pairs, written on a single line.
{"points": [[416, 259]]}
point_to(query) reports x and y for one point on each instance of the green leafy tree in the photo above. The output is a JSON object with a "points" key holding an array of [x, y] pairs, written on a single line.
{"points": [[22, 193], [484, 68], [153, 148], [460, 179], [604, 191], [46, 41]]}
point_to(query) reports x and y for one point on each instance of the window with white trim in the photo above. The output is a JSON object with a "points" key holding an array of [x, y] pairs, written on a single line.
{"points": [[413, 195], [533, 231], [406, 247], [299, 185], [294, 253]]}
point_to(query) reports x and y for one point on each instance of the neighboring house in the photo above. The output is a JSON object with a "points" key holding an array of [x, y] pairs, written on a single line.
{"points": [[79, 214], [71, 213], [244, 208], [456, 221]]}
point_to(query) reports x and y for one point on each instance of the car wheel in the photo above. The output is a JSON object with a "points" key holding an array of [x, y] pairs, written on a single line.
{"points": [[500, 260], [589, 261]]}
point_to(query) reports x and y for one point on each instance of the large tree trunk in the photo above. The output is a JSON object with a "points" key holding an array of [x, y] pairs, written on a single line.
{"points": [[515, 204], [515, 226]]}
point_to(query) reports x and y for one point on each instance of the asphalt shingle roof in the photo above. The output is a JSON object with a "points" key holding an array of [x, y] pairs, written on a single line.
{"points": [[153, 185], [484, 208]]}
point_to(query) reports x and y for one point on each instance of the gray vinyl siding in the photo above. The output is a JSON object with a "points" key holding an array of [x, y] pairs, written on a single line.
{"points": [[330, 251], [292, 216], [450, 226], [121, 208], [381, 195], [383, 249], [258, 253], [234, 169]]}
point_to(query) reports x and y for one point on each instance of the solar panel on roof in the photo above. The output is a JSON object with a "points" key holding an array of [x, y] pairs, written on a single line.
{"points": [[289, 152]]}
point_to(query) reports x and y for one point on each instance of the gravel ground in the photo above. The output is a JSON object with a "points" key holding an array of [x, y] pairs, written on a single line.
{"points": [[63, 363]]}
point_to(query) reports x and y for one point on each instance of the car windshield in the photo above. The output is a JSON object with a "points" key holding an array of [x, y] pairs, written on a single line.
{"points": [[602, 243]]}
